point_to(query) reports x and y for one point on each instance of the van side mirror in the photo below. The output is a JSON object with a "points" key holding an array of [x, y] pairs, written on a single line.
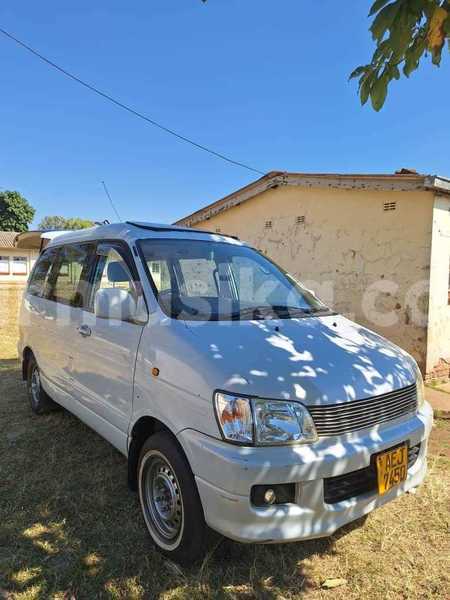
{"points": [[116, 303]]}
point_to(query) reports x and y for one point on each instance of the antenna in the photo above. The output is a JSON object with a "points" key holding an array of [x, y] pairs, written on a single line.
{"points": [[110, 200]]}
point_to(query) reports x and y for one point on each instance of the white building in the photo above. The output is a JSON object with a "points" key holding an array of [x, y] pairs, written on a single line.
{"points": [[15, 263]]}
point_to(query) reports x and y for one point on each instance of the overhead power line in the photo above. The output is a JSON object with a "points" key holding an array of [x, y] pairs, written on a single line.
{"points": [[110, 200], [126, 107]]}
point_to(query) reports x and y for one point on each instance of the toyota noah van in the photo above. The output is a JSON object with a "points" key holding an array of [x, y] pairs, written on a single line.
{"points": [[244, 405]]}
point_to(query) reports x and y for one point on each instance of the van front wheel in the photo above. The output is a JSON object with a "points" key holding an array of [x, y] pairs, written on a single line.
{"points": [[170, 501]]}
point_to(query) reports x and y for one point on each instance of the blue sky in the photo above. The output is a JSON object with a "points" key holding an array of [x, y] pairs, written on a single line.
{"points": [[262, 81]]}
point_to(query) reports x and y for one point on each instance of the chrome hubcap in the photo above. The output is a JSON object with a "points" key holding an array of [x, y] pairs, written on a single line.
{"points": [[35, 386], [163, 499]]}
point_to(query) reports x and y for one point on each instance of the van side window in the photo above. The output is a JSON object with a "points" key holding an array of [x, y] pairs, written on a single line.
{"points": [[70, 275], [111, 271], [39, 277]]}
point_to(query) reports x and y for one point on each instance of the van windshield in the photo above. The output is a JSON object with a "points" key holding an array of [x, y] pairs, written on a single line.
{"points": [[217, 281]]}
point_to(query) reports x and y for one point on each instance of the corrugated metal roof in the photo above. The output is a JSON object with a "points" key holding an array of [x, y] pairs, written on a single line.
{"points": [[7, 239]]}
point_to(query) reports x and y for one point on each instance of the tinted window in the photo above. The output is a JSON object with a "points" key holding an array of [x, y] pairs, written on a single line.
{"points": [[208, 280], [39, 277], [111, 271], [69, 278]]}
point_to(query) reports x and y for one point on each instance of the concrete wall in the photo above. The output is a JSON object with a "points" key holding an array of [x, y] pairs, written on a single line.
{"points": [[10, 298], [368, 263], [438, 359]]}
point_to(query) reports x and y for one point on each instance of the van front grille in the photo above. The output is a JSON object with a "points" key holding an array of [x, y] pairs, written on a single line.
{"points": [[337, 419]]}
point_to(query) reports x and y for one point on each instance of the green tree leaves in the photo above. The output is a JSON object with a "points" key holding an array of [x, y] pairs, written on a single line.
{"points": [[377, 6], [57, 223], [378, 91], [78, 223], [384, 20], [53, 223], [15, 212], [404, 30], [413, 54]]}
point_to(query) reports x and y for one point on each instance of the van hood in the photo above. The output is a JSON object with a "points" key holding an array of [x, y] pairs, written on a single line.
{"points": [[315, 360]]}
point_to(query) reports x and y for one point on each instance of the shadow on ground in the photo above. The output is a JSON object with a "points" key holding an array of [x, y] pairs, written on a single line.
{"points": [[70, 528], [70, 524]]}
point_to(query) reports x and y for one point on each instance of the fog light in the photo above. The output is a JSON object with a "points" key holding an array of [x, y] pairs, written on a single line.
{"points": [[269, 496]]}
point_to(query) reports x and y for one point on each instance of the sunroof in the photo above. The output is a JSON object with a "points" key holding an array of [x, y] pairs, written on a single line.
{"points": [[157, 227]]}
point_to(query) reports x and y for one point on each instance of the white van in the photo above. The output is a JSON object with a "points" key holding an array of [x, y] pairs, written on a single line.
{"points": [[242, 403]]}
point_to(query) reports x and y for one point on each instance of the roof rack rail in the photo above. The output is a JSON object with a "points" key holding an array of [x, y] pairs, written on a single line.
{"points": [[152, 227]]}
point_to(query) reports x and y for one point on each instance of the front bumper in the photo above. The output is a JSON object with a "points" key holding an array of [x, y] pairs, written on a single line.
{"points": [[225, 474]]}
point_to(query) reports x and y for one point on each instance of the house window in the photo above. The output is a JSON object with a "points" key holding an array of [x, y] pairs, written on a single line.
{"points": [[20, 265], [268, 225], [4, 265], [160, 275], [389, 206], [155, 267]]}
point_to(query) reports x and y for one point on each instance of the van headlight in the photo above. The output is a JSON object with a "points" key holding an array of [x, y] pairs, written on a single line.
{"points": [[420, 390], [254, 421]]}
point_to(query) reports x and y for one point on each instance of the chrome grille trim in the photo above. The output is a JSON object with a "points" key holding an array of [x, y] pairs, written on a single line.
{"points": [[362, 410], [337, 419]]}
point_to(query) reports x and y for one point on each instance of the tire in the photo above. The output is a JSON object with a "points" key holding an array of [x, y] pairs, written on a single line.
{"points": [[170, 502], [40, 401]]}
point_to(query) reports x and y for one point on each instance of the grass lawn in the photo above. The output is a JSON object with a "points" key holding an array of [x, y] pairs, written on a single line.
{"points": [[70, 529]]}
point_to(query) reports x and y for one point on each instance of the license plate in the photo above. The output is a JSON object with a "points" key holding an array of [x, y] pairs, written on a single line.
{"points": [[392, 468]]}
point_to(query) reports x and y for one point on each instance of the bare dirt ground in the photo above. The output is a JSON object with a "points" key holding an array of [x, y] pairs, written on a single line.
{"points": [[70, 529]]}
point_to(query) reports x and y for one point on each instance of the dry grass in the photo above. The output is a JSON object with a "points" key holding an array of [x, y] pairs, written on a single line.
{"points": [[69, 528]]}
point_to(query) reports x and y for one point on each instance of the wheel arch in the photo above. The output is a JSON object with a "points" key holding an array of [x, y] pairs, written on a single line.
{"points": [[26, 355], [142, 429]]}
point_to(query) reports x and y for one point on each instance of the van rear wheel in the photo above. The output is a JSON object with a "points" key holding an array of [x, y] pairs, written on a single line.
{"points": [[40, 401], [170, 501]]}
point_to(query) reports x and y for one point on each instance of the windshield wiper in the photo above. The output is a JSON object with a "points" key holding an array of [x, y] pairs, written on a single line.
{"points": [[277, 310], [261, 312]]}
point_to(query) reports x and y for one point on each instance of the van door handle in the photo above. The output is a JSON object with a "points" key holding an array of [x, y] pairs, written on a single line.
{"points": [[84, 330]]}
